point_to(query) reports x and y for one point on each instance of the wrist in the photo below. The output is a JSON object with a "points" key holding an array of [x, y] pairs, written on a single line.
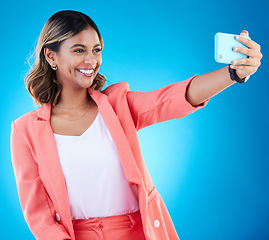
{"points": [[241, 76], [235, 77]]}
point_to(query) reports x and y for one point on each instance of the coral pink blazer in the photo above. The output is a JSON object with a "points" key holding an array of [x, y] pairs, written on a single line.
{"points": [[39, 177]]}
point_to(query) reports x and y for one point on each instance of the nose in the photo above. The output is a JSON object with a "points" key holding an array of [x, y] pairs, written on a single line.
{"points": [[90, 59]]}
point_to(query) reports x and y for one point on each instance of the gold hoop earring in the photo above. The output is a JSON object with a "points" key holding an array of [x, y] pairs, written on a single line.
{"points": [[54, 68]]}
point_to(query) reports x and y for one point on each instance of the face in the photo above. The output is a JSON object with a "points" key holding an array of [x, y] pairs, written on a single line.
{"points": [[78, 60]]}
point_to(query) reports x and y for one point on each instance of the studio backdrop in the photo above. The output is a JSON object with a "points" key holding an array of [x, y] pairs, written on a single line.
{"points": [[211, 167]]}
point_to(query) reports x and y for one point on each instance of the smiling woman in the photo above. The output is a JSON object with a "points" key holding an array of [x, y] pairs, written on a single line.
{"points": [[78, 56], [42, 82], [78, 166]]}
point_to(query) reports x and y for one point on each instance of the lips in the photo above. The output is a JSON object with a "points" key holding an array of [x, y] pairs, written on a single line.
{"points": [[88, 72]]}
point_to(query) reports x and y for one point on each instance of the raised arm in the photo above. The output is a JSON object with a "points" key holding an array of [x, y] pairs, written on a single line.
{"points": [[208, 85]]}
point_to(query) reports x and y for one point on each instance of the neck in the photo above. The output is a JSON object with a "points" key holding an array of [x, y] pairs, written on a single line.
{"points": [[71, 98]]}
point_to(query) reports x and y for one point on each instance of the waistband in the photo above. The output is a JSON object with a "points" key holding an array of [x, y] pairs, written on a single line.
{"points": [[126, 220]]}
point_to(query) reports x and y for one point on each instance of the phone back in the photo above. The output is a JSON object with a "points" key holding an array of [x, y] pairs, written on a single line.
{"points": [[224, 44]]}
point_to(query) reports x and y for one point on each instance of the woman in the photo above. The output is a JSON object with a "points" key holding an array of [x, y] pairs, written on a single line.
{"points": [[77, 161]]}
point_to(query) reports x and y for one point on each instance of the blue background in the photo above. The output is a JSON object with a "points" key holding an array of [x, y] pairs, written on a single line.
{"points": [[210, 167]]}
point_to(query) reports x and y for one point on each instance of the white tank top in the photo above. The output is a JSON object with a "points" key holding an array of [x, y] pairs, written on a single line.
{"points": [[96, 183]]}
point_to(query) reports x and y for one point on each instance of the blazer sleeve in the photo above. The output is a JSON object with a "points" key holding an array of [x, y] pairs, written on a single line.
{"points": [[36, 205], [166, 103]]}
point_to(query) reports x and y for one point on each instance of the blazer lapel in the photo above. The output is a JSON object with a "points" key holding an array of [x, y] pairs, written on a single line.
{"points": [[113, 124], [49, 164]]}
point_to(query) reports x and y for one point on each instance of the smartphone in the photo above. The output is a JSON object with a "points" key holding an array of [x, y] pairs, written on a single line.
{"points": [[224, 44]]}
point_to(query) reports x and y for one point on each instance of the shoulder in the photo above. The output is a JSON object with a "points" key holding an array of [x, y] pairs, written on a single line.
{"points": [[117, 88], [27, 117], [117, 93], [25, 121]]}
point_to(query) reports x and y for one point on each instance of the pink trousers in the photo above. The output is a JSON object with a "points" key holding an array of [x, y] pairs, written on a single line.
{"points": [[122, 227]]}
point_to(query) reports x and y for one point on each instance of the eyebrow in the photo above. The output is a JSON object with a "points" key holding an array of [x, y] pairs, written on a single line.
{"points": [[82, 45]]}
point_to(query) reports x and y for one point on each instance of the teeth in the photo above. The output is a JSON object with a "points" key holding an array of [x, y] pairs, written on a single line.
{"points": [[86, 71]]}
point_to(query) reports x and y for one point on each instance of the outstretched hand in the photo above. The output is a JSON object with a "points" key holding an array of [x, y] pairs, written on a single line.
{"points": [[247, 66]]}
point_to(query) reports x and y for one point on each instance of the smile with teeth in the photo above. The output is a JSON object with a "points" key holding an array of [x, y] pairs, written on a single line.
{"points": [[86, 72]]}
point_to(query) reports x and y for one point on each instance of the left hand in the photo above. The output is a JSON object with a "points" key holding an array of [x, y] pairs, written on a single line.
{"points": [[247, 66]]}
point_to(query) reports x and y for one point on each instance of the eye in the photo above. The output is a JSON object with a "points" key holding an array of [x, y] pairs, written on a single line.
{"points": [[97, 50], [80, 50]]}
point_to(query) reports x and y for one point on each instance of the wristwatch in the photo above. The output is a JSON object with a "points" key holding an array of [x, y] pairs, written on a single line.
{"points": [[234, 76]]}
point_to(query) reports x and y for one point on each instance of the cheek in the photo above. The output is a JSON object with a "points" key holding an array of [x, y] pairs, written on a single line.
{"points": [[99, 59], [67, 63], [72, 65], [74, 62], [99, 65]]}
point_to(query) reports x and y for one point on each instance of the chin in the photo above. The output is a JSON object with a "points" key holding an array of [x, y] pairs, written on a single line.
{"points": [[84, 84], [87, 85]]}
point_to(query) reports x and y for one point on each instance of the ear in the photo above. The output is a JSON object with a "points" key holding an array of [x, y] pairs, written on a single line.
{"points": [[50, 56]]}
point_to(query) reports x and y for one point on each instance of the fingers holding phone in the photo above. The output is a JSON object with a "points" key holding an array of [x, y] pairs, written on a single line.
{"points": [[241, 52], [247, 66]]}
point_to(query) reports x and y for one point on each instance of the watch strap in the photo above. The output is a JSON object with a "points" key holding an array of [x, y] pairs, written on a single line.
{"points": [[234, 76]]}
